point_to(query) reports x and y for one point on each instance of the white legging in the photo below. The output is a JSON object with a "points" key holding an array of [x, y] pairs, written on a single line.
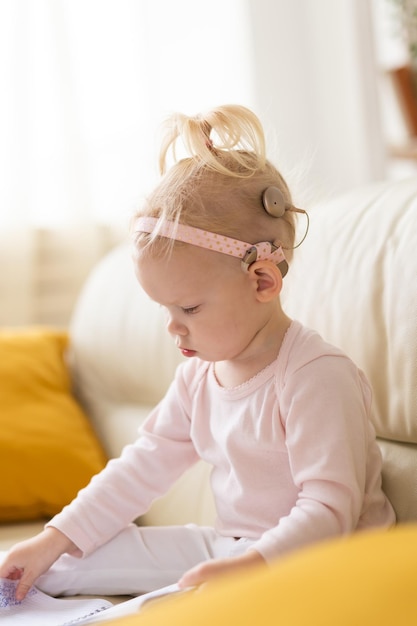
{"points": [[139, 560]]}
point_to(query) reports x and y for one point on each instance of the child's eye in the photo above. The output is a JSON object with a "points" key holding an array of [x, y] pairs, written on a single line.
{"points": [[189, 310]]}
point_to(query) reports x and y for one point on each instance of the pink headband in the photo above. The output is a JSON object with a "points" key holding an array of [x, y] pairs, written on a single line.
{"points": [[247, 252]]}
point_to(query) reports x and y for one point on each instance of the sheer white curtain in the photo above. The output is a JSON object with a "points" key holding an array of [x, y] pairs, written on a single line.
{"points": [[86, 83]]}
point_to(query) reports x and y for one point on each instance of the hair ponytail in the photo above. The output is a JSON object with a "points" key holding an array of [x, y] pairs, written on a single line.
{"points": [[228, 139]]}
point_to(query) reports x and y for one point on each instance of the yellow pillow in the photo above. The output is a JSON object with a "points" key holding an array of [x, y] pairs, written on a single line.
{"points": [[366, 580], [48, 450]]}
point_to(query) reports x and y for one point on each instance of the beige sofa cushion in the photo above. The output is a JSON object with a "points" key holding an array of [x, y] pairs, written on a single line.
{"points": [[122, 358], [354, 279]]}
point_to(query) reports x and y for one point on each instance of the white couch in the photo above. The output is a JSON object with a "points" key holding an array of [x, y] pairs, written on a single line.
{"points": [[354, 279]]}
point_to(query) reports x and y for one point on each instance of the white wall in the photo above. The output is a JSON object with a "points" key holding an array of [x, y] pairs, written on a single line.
{"points": [[315, 80]]}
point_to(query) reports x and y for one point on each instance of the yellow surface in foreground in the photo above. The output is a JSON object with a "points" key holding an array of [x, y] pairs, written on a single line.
{"points": [[369, 579]]}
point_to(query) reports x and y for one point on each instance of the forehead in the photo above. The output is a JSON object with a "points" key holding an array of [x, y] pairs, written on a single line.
{"points": [[188, 273]]}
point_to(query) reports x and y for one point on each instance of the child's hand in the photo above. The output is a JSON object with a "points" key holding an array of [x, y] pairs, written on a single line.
{"points": [[208, 570], [27, 560]]}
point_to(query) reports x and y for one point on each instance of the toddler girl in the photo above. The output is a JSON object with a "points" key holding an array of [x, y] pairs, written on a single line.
{"points": [[281, 416]]}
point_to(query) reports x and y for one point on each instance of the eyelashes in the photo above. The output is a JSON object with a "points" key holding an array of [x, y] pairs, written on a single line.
{"points": [[187, 310], [190, 310]]}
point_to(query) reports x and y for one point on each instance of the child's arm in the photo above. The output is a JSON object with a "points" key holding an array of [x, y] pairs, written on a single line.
{"points": [[208, 570], [27, 560]]}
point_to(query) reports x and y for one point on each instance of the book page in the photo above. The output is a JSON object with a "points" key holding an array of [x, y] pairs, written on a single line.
{"points": [[136, 604], [39, 609]]}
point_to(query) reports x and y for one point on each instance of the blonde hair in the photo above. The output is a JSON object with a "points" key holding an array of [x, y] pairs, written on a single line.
{"points": [[219, 186]]}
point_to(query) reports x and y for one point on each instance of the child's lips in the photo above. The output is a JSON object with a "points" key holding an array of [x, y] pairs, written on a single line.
{"points": [[187, 352]]}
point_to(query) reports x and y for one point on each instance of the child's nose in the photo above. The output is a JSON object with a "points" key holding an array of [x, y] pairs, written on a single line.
{"points": [[175, 327]]}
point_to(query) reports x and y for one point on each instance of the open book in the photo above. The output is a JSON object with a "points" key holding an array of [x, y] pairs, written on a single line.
{"points": [[39, 609]]}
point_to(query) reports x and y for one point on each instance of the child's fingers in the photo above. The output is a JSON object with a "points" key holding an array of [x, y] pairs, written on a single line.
{"points": [[15, 574], [22, 588], [10, 571]]}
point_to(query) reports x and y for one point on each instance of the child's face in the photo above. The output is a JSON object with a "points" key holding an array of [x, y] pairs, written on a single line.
{"points": [[210, 303]]}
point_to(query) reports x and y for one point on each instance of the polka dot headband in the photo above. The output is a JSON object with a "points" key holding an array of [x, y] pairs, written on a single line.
{"points": [[247, 252]]}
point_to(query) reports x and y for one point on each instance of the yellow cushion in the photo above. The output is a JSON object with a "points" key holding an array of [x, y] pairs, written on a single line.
{"points": [[48, 450], [367, 580]]}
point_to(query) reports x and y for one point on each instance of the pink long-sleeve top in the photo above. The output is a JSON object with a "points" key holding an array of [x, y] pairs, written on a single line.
{"points": [[293, 453]]}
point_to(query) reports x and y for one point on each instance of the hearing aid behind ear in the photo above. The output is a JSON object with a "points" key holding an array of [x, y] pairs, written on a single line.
{"points": [[252, 255], [275, 205]]}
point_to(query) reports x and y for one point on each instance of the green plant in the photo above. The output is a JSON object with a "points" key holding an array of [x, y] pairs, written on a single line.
{"points": [[406, 12], [406, 20]]}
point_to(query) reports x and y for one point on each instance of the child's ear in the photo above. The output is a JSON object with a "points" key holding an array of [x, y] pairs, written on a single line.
{"points": [[267, 279]]}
